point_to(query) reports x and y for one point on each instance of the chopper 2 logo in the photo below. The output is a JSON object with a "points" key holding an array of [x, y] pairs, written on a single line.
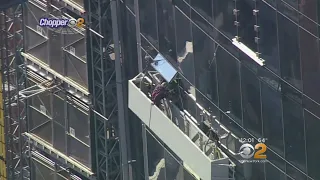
{"points": [[247, 151], [63, 22]]}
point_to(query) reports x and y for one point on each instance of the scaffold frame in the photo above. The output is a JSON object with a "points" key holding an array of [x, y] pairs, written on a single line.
{"points": [[14, 79]]}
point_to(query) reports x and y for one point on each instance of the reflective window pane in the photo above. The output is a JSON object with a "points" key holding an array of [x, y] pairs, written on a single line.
{"points": [[258, 171], [156, 160], [273, 173], [295, 173], [173, 167], [148, 20], [223, 17], [289, 8], [130, 44], [204, 8], [294, 132], [311, 106], [268, 45], [187, 175], [273, 3], [309, 8], [308, 24], [184, 7], [185, 46], [205, 25], [313, 146], [272, 118], [289, 51], [310, 65], [276, 160], [205, 64], [166, 29], [130, 4], [251, 101], [229, 84], [293, 3]]}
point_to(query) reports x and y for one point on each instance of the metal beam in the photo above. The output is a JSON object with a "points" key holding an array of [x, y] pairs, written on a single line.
{"points": [[102, 88], [122, 108], [13, 79]]}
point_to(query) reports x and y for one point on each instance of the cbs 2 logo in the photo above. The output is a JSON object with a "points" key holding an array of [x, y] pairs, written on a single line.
{"points": [[77, 23], [247, 151]]}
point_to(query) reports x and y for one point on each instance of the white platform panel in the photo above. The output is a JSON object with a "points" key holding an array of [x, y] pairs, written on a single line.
{"points": [[181, 135]]}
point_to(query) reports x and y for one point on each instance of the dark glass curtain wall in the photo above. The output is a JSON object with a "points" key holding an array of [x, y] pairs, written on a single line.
{"points": [[280, 101]]}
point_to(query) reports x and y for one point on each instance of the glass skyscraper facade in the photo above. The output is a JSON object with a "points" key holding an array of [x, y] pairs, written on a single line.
{"points": [[279, 101]]}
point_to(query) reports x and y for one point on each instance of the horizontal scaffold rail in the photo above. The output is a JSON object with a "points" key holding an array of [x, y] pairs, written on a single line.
{"points": [[36, 65], [42, 145], [74, 6]]}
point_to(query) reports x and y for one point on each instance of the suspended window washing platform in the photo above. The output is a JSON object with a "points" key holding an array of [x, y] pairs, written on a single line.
{"points": [[179, 131]]}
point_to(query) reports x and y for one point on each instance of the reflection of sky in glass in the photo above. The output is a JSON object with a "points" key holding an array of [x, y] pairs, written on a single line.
{"points": [[166, 70]]}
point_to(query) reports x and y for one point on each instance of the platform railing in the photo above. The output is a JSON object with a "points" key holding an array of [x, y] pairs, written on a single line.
{"points": [[189, 142]]}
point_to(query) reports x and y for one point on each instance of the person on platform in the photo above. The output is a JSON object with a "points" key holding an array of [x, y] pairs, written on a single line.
{"points": [[160, 92]]}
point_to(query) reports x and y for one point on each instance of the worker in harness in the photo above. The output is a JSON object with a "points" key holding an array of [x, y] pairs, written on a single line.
{"points": [[164, 90], [160, 92]]}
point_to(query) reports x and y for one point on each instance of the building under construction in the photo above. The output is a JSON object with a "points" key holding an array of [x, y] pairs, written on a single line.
{"points": [[76, 102]]}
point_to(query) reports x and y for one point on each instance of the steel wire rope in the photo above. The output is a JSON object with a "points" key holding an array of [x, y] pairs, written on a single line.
{"points": [[224, 113], [210, 133], [144, 74]]}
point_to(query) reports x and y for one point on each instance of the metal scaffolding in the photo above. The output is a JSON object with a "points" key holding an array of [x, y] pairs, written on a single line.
{"points": [[24, 76], [106, 87], [13, 80]]}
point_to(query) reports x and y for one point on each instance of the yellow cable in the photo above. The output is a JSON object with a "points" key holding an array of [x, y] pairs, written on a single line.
{"points": [[3, 171]]}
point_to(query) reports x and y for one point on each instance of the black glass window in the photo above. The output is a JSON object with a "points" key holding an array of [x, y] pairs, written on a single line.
{"points": [[247, 19], [289, 51], [295, 173], [311, 105], [166, 29], [183, 6], [156, 157], [204, 8], [148, 48], [293, 3], [130, 43], [148, 21], [275, 160], [309, 8], [289, 9], [185, 46], [272, 117], [268, 45], [294, 132], [223, 17], [251, 101], [204, 25], [130, 4], [229, 85], [310, 65], [173, 168], [258, 171], [273, 3], [313, 146], [273, 173], [309, 17], [205, 66]]}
